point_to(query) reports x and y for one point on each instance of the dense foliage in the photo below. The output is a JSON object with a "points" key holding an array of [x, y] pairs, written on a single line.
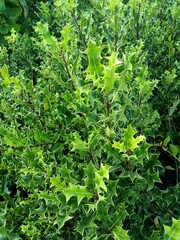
{"points": [[10, 10], [89, 130]]}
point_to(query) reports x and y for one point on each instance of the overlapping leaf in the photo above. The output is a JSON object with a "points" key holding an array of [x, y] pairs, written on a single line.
{"points": [[129, 142]]}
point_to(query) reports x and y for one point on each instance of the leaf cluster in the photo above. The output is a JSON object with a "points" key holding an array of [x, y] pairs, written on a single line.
{"points": [[89, 136]]}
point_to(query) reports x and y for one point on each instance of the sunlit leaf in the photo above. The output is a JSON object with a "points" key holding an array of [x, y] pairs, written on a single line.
{"points": [[5, 75], [173, 232], [110, 75], [66, 36], [119, 233], [76, 191], [129, 141], [100, 175], [78, 144], [55, 182], [94, 56]]}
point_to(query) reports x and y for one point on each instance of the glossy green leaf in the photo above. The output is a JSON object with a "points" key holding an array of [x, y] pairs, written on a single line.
{"points": [[110, 75], [174, 107], [62, 219], [45, 33], [100, 175], [129, 142], [155, 235], [174, 149], [119, 233], [47, 103], [77, 191], [48, 197], [78, 144], [3, 233], [66, 36], [90, 175], [86, 223], [55, 182], [127, 62], [45, 137], [93, 52]]}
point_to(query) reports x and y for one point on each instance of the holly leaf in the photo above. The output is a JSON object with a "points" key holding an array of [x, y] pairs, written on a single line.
{"points": [[155, 235], [76, 191], [173, 232], [94, 57], [66, 36], [151, 178], [84, 223], [112, 185], [119, 233], [99, 177], [110, 75], [62, 219], [55, 182], [130, 143], [90, 175], [127, 63], [43, 30], [78, 144], [48, 197]]}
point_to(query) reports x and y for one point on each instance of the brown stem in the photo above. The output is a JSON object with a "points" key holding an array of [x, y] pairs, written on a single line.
{"points": [[67, 69]]}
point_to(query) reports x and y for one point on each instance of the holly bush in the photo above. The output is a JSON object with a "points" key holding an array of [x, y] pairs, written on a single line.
{"points": [[89, 134]]}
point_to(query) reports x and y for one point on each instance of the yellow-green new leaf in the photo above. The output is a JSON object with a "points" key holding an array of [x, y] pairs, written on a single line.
{"points": [[66, 36], [76, 191], [129, 143], [173, 232], [5, 75], [119, 233], [78, 144], [100, 175], [55, 182], [110, 75], [93, 52]]}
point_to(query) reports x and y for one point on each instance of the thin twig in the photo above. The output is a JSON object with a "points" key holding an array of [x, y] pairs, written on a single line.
{"points": [[115, 32], [78, 27], [176, 160], [67, 69], [137, 21], [108, 105]]}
